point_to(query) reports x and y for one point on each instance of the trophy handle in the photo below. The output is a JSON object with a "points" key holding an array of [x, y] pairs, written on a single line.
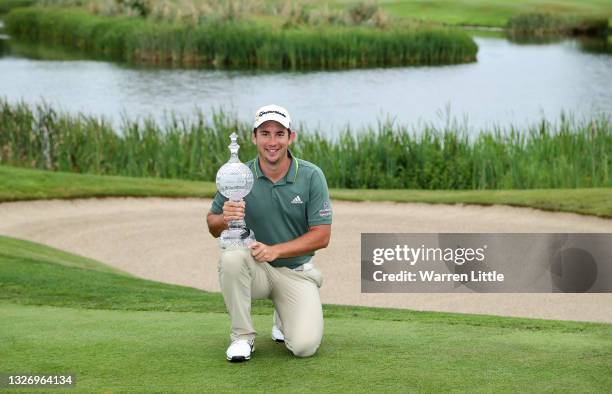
{"points": [[239, 223]]}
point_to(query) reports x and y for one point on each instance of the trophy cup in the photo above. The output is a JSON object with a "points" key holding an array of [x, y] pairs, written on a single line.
{"points": [[235, 181]]}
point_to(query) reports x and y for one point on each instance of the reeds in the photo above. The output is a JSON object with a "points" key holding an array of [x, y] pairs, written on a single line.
{"points": [[239, 45], [568, 154]]}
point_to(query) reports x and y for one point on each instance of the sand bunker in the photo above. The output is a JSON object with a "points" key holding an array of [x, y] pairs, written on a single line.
{"points": [[167, 240]]}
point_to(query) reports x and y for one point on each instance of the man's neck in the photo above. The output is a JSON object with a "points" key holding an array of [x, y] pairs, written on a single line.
{"points": [[276, 171]]}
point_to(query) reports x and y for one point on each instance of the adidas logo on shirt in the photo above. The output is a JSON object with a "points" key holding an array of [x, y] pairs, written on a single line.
{"points": [[297, 200]]}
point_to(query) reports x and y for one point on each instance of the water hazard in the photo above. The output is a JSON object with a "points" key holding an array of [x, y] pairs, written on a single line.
{"points": [[510, 83]]}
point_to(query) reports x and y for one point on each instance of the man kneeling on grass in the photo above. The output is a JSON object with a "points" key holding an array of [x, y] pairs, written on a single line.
{"points": [[290, 213]]}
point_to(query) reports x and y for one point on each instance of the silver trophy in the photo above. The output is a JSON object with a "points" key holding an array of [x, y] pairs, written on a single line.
{"points": [[235, 181]]}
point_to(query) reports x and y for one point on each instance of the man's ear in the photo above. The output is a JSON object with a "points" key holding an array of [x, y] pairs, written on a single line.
{"points": [[292, 136], [253, 136]]}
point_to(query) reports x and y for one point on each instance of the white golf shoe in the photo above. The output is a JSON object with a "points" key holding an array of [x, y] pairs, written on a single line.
{"points": [[277, 334], [240, 350]]}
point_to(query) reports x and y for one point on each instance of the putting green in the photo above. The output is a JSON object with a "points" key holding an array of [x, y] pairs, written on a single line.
{"points": [[120, 333]]}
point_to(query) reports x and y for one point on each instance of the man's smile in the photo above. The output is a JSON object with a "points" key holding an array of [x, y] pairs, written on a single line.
{"points": [[272, 151]]}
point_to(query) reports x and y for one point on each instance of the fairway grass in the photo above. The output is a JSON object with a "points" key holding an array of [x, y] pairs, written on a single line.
{"points": [[120, 333], [18, 184], [489, 12], [21, 184]]}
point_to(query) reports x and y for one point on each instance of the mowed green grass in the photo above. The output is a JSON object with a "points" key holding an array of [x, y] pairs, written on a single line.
{"points": [[65, 314], [486, 12], [493, 13], [19, 184]]}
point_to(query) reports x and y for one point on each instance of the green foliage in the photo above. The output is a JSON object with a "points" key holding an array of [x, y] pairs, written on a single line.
{"points": [[570, 154], [141, 7], [239, 45], [547, 24], [363, 12], [7, 5]]}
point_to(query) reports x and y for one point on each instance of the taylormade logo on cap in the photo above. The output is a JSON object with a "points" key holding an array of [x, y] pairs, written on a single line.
{"points": [[272, 112]]}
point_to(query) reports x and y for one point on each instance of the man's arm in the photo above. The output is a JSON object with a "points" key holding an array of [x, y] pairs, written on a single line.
{"points": [[316, 238], [216, 224]]}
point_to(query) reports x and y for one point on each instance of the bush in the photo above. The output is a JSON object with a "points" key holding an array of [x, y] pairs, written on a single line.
{"points": [[535, 24]]}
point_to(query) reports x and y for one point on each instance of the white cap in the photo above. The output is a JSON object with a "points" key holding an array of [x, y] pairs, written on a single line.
{"points": [[272, 112]]}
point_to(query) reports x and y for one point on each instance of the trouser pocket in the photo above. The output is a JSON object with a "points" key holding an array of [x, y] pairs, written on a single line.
{"points": [[316, 276]]}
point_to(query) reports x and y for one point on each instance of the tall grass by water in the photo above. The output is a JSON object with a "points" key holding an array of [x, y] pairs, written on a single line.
{"points": [[568, 154], [239, 45]]}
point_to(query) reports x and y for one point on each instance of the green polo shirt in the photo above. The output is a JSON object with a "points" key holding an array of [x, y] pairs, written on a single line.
{"points": [[282, 211]]}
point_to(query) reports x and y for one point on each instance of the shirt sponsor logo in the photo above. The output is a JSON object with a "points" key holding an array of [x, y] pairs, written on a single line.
{"points": [[326, 211], [297, 200]]}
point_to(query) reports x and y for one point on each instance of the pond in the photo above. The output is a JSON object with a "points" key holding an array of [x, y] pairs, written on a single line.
{"points": [[510, 83]]}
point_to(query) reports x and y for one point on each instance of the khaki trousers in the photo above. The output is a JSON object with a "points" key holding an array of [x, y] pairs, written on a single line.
{"points": [[295, 294]]}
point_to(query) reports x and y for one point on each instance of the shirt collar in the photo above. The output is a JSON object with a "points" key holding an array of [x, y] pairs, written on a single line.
{"points": [[257, 169], [293, 168]]}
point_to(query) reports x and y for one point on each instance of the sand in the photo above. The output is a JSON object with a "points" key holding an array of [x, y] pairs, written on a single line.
{"points": [[167, 240]]}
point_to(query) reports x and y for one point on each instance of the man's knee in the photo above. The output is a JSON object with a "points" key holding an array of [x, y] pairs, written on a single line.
{"points": [[304, 347], [232, 262]]}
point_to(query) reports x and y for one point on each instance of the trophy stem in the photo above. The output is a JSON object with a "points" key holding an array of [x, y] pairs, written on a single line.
{"points": [[240, 223]]}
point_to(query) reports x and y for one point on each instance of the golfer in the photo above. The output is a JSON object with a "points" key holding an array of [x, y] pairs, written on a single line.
{"points": [[290, 213]]}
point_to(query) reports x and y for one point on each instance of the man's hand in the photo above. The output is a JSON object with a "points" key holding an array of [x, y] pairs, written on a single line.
{"points": [[233, 210], [263, 253]]}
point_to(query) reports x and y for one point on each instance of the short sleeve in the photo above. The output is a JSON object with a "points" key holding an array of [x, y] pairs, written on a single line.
{"points": [[217, 204], [319, 206]]}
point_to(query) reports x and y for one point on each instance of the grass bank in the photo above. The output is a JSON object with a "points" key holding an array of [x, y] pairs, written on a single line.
{"points": [[494, 13], [491, 13], [62, 313], [569, 154], [238, 44], [19, 184]]}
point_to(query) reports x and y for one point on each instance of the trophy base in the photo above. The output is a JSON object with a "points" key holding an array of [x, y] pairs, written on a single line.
{"points": [[236, 238]]}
